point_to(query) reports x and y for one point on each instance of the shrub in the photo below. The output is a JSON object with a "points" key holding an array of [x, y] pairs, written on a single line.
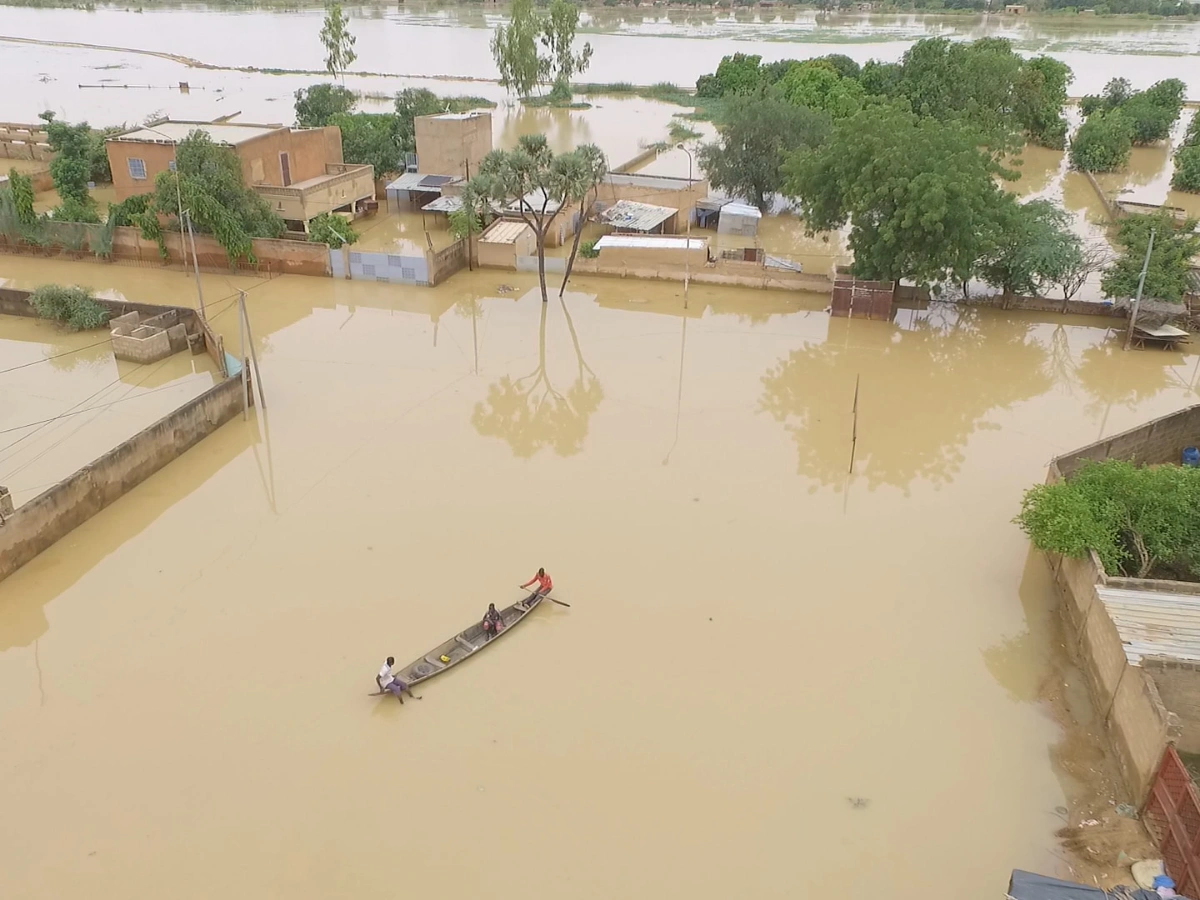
{"points": [[588, 250], [73, 306], [1102, 143], [332, 230]]}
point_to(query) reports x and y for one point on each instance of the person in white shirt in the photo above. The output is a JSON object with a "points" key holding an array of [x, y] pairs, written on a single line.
{"points": [[390, 684]]}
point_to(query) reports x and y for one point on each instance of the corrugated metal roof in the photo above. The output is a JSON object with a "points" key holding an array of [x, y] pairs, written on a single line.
{"points": [[635, 216], [534, 199], [637, 240], [741, 209], [1154, 623], [504, 231], [444, 204], [409, 181]]}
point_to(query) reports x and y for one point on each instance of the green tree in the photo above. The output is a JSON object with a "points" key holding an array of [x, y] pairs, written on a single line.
{"points": [[1040, 94], [317, 104], [739, 75], [413, 102], [71, 167], [208, 177], [582, 172], [371, 139], [337, 41], [331, 229], [558, 37], [1140, 520], [1034, 247], [880, 79], [1187, 168], [820, 87], [71, 210], [1102, 143], [1154, 112], [21, 188], [1167, 277], [748, 157], [529, 181], [514, 48], [468, 220], [920, 195]]}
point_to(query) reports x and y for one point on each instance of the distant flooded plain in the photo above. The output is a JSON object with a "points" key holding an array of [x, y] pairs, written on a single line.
{"points": [[757, 639]]}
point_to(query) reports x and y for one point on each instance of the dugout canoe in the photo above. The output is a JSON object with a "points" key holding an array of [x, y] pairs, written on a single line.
{"points": [[462, 646]]}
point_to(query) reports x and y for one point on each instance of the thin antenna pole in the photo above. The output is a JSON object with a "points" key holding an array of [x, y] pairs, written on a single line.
{"points": [[1137, 301], [854, 431], [195, 262], [262, 400], [245, 363]]}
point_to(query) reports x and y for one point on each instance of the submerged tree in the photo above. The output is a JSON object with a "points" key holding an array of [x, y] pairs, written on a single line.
{"points": [[582, 172], [747, 159], [337, 41], [1034, 248], [1168, 275], [558, 37], [514, 48], [317, 104]]}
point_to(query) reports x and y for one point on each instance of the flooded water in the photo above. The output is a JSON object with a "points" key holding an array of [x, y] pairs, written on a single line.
{"points": [[83, 400], [755, 635]]}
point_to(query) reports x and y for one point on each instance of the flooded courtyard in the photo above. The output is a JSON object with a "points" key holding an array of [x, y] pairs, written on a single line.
{"points": [[756, 637]]}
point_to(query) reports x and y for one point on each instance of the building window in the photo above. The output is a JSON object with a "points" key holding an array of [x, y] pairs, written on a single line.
{"points": [[171, 165], [137, 169]]}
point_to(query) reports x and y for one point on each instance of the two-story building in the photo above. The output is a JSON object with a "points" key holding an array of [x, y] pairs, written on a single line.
{"points": [[299, 171]]}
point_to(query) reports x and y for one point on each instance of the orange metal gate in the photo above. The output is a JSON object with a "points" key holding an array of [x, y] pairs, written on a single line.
{"points": [[1172, 816]]}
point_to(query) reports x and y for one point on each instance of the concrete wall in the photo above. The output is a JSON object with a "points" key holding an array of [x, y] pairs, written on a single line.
{"points": [[720, 272], [1158, 441], [1137, 722], [1178, 684], [451, 145], [378, 266], [276, 257], [51, 515], [655, 257], [19, 141], [446, 261], [157, 158]]}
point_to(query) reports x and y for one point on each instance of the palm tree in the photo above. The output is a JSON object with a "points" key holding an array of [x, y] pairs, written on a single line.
{"points": [[582, 173]]}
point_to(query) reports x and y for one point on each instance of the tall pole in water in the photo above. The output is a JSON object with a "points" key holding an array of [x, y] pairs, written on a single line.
{"points": [[687, 254], [245, 314], [195, 262], [1137, 300]]}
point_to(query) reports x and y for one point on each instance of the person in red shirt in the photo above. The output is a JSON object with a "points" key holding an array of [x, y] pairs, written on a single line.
{"points": [[544, 584]]}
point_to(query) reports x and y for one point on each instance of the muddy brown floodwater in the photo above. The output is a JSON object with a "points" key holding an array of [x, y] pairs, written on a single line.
{"points": [[755, 638]]}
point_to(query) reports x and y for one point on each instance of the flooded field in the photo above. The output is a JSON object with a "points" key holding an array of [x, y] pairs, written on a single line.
{"points": [[755, 637], [83, 400]]}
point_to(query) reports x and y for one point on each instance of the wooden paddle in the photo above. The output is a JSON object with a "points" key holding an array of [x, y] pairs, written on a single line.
{"points": [[547, 597]]}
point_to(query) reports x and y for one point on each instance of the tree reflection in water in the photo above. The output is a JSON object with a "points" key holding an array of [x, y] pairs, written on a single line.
{"points": [[924, 391], [529, 413]]}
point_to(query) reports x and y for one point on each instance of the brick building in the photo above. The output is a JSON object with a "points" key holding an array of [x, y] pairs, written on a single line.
{"points": [[299, 171]]}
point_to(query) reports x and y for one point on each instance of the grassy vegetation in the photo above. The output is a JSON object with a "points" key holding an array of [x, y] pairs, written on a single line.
{"points": [[703, 109]]}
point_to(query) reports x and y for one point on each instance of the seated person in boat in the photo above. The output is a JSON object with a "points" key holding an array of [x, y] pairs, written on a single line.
{"points": [[390, 684], [544, 584], [493, 622]]}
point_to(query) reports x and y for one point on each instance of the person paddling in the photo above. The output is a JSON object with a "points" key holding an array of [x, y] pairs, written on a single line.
{"points": [[544, 584], [390, 684]]}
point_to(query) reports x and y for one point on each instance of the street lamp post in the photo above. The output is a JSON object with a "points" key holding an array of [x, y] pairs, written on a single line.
{"points": [[687, 256]]}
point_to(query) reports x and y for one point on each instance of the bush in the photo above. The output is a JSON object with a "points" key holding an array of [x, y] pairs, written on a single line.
{"points": [[1140, 520], [73, 306], [1102, 143], [588, 250], [1187, 169], [332, 230], [73, 210]]}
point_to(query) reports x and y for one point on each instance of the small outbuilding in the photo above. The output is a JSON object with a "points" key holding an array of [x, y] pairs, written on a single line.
{"points": [[648, 251], [504, 241], [739, 218], [643, 218]]}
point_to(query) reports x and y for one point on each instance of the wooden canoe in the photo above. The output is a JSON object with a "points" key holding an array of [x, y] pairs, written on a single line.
{"points": [[462, 646]]}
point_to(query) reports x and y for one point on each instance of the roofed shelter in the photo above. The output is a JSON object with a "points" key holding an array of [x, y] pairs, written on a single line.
{"points": [[504, 241], [299, 171], [643, 218], [651, 251]]}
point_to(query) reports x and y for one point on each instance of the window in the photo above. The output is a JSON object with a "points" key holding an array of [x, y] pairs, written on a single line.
{"points": [[137, 169], [171, 165]]}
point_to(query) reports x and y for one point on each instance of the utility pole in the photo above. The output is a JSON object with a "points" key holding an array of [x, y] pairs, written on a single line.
{"points": [[687, 256], [195, 262], [1133, 310], [245, 315]]}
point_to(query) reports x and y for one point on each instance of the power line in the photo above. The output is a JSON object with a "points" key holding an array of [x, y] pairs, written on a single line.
{"points": [[88, 409], [56, 356]]}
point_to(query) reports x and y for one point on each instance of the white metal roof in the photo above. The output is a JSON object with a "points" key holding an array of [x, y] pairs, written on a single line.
{"points": [[636, 216], [444, 204], [534, 200], [659, 182], [1154, 623], [474, 114], [741, 209], [230, 133], [504, 231], [639, 240]]}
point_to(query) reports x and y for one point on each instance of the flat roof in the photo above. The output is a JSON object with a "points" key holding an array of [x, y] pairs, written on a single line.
{"points": [[504, 231], [444, 204], [474, 114], [741, 209], [661, 182], [228, 133], [661, 243], [421, 183], [636, 216]]}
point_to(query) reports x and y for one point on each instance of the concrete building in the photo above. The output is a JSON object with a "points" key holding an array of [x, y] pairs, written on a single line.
{"points": [[739, 218], [453, 143], [299, 171], [505, 240]]}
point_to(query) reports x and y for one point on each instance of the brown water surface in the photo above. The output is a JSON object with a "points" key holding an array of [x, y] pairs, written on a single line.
{"points": [[755, 635]]}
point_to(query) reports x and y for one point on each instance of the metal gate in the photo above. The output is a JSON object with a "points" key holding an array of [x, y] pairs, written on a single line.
{"points": [[1172, 816]]}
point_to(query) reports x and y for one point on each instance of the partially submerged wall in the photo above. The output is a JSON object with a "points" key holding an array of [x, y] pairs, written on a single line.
{"points": [[1137, 721], [722, 272], [1160, 440], [51, 515]]}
